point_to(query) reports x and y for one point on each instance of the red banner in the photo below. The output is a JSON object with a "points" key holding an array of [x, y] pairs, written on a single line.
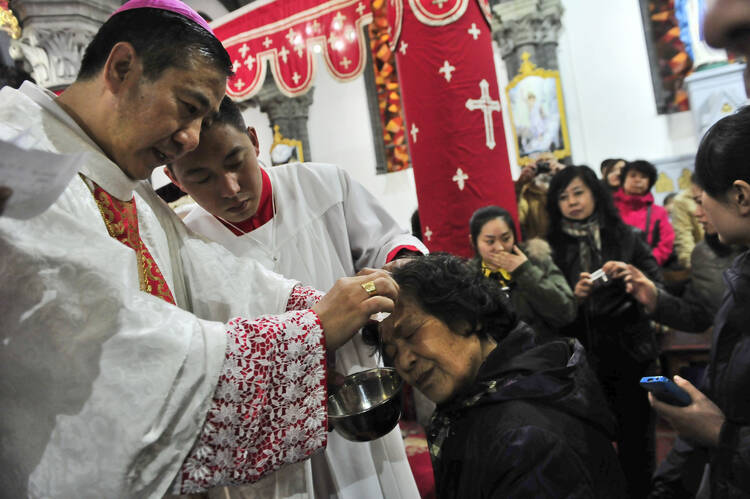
{"points": [[453, 117], [287, 34]]}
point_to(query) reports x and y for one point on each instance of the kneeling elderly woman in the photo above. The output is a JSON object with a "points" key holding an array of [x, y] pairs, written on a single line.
{"points": [[514, 418]]}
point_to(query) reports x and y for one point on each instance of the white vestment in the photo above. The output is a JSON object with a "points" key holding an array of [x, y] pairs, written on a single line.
{"points": [[326, 226], [103, 387]]}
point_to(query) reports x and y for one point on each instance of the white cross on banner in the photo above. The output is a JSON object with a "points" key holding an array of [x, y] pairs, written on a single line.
{"points": [[460, 179], [447, 70], [487, 106]]}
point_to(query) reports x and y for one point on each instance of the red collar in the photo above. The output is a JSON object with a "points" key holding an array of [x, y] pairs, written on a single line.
{"points": [[263, 214]]}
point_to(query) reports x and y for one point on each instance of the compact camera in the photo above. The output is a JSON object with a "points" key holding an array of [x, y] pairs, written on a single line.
{"points": [[543, 167], [599, 278]]}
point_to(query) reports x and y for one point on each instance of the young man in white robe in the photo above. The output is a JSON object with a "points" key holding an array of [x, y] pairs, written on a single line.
{"points": [[313, 223], [135, 358]]}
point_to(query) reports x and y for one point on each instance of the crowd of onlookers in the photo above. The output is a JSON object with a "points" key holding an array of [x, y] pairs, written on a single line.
{"points": [[587, 260]]}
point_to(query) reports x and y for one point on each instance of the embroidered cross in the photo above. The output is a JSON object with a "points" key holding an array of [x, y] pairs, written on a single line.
{"points": [[244, 50], [315, 26], [249, 63], [360, 8], [402, 47], [439, 3], [447, 70], [267, 42], [300, 49], [284, 53], [338, 20], [296, 77], [414, 131], [332, 40], [236, 65], [474, 31], [239, 84], [460, 178], [346, 62], [290, 36], [487, 106], [428, 233]]}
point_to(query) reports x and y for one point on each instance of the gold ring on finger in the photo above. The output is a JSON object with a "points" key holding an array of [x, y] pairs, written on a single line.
{"points": [[369, 286]]}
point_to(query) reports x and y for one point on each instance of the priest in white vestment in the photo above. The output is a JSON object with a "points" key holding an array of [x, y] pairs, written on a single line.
{"points": [[313, 223], [135, 356]]}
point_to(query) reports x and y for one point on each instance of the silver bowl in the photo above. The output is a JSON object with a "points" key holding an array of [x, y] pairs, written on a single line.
{"points": [[368, 404]]}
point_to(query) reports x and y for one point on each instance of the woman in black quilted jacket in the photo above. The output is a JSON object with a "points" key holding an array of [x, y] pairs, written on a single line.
{"points": [[586, 235]]}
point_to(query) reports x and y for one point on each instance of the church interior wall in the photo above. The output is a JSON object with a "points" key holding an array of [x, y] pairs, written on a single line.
{"points": [[340, 133], [608, 93]]}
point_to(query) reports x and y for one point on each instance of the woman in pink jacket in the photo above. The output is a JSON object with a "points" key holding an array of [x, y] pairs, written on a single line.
{"points": [[636, 205]]}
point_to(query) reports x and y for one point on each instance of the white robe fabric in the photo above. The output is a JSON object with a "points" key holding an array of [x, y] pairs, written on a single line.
{"points": [[104, 388], [326, 226]]}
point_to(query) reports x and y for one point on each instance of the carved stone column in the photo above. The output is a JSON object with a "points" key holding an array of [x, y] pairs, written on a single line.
{"points": [[289, 113], [529, 26], [55, 34]]}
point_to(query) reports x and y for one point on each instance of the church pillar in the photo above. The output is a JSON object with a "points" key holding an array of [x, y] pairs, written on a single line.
{"points": [[289, 113], [531, 26], [54, 36]]}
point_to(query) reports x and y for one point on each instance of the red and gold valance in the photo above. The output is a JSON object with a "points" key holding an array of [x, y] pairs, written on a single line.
{"points": [[287, 34]]}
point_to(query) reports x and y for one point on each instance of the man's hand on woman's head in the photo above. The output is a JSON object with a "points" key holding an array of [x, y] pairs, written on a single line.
{"points": [[351, 301]]}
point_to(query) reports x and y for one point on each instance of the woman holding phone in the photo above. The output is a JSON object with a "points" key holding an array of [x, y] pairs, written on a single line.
{"points": [[717, 422]]}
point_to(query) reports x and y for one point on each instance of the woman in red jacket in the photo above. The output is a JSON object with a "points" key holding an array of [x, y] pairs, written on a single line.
{"points": [[636, 206]]}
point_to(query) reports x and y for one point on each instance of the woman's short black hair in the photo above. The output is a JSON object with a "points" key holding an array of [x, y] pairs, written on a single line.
{"points": [[723, 154], [484, 215], [449, 288], [642, 166], [604, 209], [162, 39]]}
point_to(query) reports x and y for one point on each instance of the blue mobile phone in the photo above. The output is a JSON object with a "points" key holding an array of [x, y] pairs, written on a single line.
{"points": [[666, 390]]}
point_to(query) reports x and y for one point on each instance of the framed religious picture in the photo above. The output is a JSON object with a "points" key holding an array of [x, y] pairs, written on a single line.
{"points": [[537, 113], [284, 150]]}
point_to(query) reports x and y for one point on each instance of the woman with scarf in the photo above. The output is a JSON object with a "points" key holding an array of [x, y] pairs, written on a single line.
{"points": [[514, 418], [538, 291], [586, 235]]}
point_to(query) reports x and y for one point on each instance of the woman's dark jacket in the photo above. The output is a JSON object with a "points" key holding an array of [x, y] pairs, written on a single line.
{"points": [[695, 310], [728, 384], [610, 316], [544, 431]]}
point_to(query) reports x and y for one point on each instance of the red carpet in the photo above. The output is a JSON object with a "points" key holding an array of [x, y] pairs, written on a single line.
{"points": [[419, 457]]}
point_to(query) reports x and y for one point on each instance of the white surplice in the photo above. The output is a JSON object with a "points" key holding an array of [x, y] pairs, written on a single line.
{"points": [[326, 226], [104, 388]]}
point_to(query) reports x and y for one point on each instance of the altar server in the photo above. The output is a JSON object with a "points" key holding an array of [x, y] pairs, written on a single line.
{"points": [[311, 222]]}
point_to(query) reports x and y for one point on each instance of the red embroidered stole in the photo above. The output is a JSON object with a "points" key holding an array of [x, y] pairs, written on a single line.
{"points": [[121, 219]]}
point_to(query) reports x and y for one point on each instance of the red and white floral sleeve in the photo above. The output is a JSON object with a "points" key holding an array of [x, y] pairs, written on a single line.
{"points": [[269, 407], [303, 297]]}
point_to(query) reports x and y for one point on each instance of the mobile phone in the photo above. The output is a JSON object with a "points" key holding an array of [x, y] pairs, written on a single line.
{"points": [[666, 390]]}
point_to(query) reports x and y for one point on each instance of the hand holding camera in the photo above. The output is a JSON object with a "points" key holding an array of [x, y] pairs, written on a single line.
{"points": [[588, 282]]}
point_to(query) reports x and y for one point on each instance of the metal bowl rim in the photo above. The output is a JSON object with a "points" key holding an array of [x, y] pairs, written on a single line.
{"points": [[398, 390]]}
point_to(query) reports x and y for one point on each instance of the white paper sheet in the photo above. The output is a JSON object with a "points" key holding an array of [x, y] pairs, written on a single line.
{"points": [[36, 177]]}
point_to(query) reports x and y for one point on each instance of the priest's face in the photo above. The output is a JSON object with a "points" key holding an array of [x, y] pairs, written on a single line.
{"points": [[428, 354], [156, 122], [222, 174], [727, 25]]}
